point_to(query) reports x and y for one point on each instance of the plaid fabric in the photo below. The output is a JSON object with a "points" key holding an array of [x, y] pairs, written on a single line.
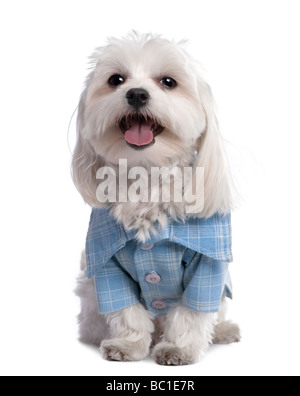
{"points": [[190, 258]]}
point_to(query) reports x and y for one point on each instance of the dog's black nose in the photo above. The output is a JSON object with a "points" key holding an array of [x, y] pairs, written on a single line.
{"points": [[137, 97]]}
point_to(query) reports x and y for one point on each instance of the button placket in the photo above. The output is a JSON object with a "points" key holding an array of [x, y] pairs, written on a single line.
{"points": [[153, 278]]}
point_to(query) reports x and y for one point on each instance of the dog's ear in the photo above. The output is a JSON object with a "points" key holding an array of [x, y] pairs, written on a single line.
{"points": [[86, 162], [211, 157]]}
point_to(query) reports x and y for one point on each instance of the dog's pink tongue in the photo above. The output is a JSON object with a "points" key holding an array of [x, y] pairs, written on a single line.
{"points": [[140, 133]]}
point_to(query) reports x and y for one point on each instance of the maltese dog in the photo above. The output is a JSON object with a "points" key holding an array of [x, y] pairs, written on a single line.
{"points": [[149, 161]]}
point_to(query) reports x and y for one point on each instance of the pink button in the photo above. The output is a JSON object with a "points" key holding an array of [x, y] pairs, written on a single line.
{"points": [[158, 304], [153, 277], [148, 247]]}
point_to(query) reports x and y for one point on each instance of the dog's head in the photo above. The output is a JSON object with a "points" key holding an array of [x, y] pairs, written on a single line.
{"points": [[146, 102]]}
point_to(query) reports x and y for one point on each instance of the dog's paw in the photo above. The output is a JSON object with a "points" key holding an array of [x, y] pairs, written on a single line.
{"points": [[122, 350], [113, 352], [168, 354], [226, 333]]}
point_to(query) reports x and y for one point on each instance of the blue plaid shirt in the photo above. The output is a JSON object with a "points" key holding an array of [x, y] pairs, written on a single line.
{"points": [[189, 262]]}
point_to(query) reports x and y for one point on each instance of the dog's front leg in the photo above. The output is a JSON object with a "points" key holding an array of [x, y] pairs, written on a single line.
{"points": [[186, 337], [130, 331]]}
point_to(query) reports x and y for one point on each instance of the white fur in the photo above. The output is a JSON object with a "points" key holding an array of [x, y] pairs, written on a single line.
{"points": [[131, 331], [188, 117], [187, 113], [187, 336]]}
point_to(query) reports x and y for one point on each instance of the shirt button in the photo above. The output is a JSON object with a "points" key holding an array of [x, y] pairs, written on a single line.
{"points": [[158, 304], [153, 277], [148, 247]]}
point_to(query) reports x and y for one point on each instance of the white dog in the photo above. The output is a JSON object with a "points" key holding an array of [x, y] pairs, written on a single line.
{"points": [[154, 274]]}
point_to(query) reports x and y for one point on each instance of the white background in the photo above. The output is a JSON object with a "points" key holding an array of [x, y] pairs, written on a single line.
{"points": [[250, 50]]}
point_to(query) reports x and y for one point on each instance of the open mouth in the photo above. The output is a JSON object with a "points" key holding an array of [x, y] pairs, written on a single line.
{"points": [[140, 132]]}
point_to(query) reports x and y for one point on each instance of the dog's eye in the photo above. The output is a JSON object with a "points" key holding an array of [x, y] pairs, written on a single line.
{"points": [[168, 82], [116, 80]]}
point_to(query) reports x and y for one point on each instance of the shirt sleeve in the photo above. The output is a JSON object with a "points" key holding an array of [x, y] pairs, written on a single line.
{"points": [[115, 288], [204, 282]]}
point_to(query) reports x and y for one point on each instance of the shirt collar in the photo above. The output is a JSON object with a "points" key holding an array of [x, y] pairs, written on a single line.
{"points": [[211, 237]]}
